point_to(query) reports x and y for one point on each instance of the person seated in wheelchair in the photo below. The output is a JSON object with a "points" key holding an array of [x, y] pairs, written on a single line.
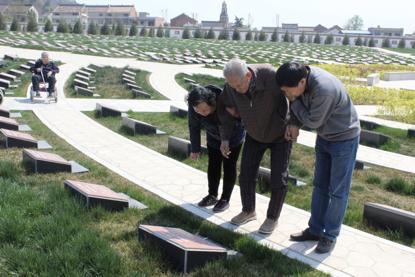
{"points": [[44, 70]]}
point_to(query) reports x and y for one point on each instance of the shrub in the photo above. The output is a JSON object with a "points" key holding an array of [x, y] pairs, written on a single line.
{"points": [[400, 186]]}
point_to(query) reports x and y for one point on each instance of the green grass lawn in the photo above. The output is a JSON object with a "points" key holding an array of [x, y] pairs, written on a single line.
{"points": [[23, 82], [200, 79], [370, 185], [404, 50], [108, 83], [46, 232]]}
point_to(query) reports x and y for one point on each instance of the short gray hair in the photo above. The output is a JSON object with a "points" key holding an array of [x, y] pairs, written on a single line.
{"points": [[235, 67], [45, 55]]}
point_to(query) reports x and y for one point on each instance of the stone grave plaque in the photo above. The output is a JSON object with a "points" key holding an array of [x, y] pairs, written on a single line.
{"points": [[178, 111], [4, 83], [84, 91], [90, 70], [128, 72], [17, 139], [10, 57], [84, 73], [97, 195], [140, 127], [7, 77], [44, 162], [369, 125], [16, 72], [24, 66], [181, 147], [4, 112], [387, 217], [140, 93], [185, 251], [9, 123], [107, 111], [81, 83], [411, 133], [373, 138], [133, 86]]}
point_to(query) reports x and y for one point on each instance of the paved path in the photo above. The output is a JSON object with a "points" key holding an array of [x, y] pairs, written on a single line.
{"points": [[356, 254]]}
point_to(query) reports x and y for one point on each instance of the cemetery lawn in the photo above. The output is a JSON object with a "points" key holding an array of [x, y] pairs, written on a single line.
{"points": [[22, 82], [108, 83], [404, 50], [371, 185], [46, 232], [200, 79]]}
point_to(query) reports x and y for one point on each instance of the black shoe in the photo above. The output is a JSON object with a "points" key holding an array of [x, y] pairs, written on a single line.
{"points": [[304, 236], [324, 246], [221, 206], [209, 200]]}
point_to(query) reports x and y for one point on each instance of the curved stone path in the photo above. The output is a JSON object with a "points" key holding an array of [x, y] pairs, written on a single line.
{"points": [[356, 254]]}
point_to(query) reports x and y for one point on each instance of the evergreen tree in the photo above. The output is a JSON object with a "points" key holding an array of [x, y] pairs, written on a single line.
{"points": [[262, 36], [92, 28], [211, 34], [286, 37], [236, 35], [371, 42], [167, 33], [317, 39], [32, 23], [346, 40], [62, 27], [302, 38], [386, 43], [2, 24], [274, 36], [186, 33], [256, 37], [77, 28], [151, 32], [143, 32], [119, 30], [359, 41], [48, 26], [402, 43], [160, 32], [329, 39], [198, 33], [224, 35], [133, 30], [15, 26], [248, 35], [105, 29]]}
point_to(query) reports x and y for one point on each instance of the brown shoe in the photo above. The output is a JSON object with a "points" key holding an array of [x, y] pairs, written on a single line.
{"points": [[243, 217], [268, 226]]}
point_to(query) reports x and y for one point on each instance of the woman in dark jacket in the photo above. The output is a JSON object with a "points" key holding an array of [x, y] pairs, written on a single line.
{"points": [[203, 104]]}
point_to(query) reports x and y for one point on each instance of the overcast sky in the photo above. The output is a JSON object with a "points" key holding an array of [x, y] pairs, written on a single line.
{"points": [[386, 13]]}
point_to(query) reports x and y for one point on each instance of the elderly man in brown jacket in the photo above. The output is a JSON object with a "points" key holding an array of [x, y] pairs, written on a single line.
{"points": [[251, 92]]}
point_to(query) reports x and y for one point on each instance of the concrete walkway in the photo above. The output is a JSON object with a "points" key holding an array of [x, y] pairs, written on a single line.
{"points": [[356, 254]]}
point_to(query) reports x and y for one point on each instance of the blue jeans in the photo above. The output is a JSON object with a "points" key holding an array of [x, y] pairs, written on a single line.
{"points": [[334, 167]]}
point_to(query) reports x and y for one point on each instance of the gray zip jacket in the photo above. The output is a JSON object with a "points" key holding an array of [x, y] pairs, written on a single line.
{"points": [[326, 106]]}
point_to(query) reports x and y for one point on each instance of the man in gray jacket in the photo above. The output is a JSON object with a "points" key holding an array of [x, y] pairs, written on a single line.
{"points": [[320, 101], [253, 94]]}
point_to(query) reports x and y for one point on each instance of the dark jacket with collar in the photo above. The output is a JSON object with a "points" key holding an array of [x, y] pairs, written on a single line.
{"points": [[265, 114], [211, 125], [50, 66]]}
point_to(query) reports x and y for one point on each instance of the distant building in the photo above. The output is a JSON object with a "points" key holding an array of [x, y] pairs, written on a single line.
{"points": [[20, 12], [378, 31], [145, 20], [100, 14], [223, 19], [183, 20]]}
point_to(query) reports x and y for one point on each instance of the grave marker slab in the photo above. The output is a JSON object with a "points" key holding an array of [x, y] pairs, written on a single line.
{"points": [[133, 86], [130, 72], [16, 72], [369, 125], [181, 147], [4, 112], [24, 66], [107, 111], [4, 83], [140, 127], [90, 70], [8, 77], [140, 93], [21, 140], [385, 217], [185, 250], [411, 133], [8, 123], [178, 111], [10, 57], [97, 195], [44, 162], [84, 91], [373, 138], [81, 83]]}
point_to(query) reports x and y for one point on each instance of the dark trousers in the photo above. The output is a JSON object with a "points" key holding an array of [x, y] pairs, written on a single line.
{"points": [[229, 171], [36, 79], [251, 158]]}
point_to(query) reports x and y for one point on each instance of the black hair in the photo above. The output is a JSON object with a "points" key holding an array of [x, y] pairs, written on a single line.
{"points": [[290, 74], [200, 94]]}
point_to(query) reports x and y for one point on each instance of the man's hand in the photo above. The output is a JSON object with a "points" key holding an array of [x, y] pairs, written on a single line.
{"points": [[291, 133], [49, 73], [194, 156], [233, 112], [224, 149]]}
